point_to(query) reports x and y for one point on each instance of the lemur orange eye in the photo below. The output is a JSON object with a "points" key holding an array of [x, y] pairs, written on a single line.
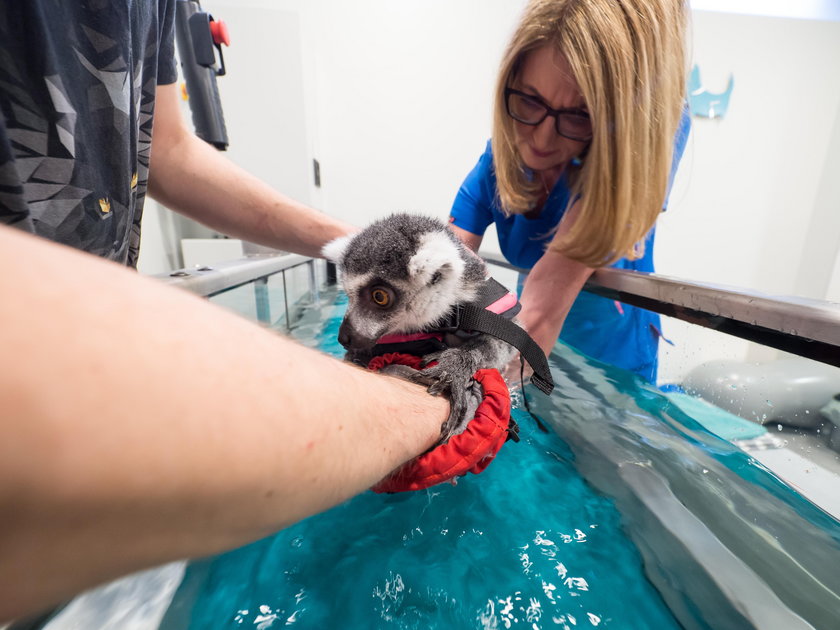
{"points": [[380, 296]]}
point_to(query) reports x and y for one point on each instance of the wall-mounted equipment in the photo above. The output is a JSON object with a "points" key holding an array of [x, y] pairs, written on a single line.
{"points": [[200, 39]]}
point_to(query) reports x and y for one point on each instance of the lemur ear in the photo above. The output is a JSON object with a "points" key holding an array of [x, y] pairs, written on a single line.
{"points": [[436, 258], [334, 250]]}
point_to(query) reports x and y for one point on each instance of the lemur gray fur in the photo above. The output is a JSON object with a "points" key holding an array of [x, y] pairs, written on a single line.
{"points": [[405, 274]]}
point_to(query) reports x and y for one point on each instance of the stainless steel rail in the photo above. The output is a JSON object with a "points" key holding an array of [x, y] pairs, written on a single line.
{"points": [[208, 281], [809, 328]]}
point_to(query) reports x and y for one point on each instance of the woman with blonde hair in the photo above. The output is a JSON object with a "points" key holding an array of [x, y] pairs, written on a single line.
{"points": [[589, 126]]}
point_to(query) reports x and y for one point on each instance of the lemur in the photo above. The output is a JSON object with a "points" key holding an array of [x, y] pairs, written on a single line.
{"points": [[408, 278]]}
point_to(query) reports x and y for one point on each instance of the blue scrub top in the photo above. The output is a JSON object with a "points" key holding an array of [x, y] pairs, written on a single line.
{"points": [[620, 334]]}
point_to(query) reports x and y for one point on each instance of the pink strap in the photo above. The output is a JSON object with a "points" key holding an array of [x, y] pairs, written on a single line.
{"points": [[503, 304]]}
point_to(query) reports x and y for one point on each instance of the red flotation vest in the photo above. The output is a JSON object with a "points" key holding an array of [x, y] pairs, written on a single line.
{"points": [[469, 451]]}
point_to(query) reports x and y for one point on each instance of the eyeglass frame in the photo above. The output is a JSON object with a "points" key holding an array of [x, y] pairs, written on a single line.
{"points": [[549, 111]]}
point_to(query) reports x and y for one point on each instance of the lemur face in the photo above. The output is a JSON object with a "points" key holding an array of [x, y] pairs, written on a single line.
{"points": [[401, 275], [379, 307]]}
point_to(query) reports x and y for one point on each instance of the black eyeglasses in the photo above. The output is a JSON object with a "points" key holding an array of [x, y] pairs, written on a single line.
{"points": [[528, 109]]}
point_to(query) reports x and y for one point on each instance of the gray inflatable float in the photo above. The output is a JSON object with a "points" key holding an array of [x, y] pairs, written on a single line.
{"points": [[790, 391]]}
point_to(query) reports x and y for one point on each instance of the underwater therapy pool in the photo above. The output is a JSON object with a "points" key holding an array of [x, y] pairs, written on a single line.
{"points": [[629, 515]]}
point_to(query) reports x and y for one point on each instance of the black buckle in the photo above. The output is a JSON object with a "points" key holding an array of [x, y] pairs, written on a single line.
{"points": [[453, 324], [513, 431]]}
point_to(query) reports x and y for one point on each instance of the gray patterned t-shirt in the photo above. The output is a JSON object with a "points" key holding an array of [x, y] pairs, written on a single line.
{"points": [[77, 89]]}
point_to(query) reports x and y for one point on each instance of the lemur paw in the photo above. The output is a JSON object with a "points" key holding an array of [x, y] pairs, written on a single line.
{"points": [[453, 368], [452, 376]]}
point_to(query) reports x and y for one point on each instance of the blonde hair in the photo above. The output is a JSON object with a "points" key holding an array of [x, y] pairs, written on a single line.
{"points": [[628, 57]]}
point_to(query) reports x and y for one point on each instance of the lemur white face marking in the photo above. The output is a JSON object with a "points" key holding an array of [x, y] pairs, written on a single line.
{"points": [[434, 252], [436, 271], [352, 284], [334, 251], [367, 326]]}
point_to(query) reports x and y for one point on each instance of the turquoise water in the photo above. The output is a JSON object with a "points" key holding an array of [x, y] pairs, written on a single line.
{"points": [[670, 526], [526, 544]]}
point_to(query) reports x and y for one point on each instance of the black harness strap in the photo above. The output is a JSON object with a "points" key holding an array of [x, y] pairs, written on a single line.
{"points": [[473, 317]]}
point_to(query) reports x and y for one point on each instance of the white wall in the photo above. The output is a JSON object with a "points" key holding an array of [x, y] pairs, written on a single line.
{"points": [[394, 99], [266, 117], [746, 190], [756, 203], [815, 278], [266, 104], [404, 100]]}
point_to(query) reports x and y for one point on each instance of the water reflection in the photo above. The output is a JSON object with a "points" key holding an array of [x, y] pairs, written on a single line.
{"points": [[530, 544], [720, 533]]}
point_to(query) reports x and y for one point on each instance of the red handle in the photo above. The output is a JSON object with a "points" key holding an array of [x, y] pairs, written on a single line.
{"points": [[219, 31]]}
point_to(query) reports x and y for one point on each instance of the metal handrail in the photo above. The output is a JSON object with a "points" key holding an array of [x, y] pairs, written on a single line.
{"points": [[208, 281], [809, 328]]}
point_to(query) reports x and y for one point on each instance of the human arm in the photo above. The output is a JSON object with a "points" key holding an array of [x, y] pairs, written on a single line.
{"points": [[549, 292], [473, 241], [471, 211], [189, 176], [141, 424], [550, 289]]}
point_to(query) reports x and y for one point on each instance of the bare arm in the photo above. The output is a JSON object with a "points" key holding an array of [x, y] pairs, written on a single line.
{"points": [[473, 241], [550, 290], [191, 177], [141, 424]]}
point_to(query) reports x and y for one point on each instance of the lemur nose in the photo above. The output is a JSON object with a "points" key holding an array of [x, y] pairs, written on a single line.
{"points": [[345, 334]]}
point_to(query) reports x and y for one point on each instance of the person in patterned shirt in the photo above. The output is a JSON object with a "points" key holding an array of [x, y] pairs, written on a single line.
{"points": [[141, 424]]}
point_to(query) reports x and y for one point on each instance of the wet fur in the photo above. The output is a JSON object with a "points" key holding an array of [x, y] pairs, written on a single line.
{"points": [[430, 271]]}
